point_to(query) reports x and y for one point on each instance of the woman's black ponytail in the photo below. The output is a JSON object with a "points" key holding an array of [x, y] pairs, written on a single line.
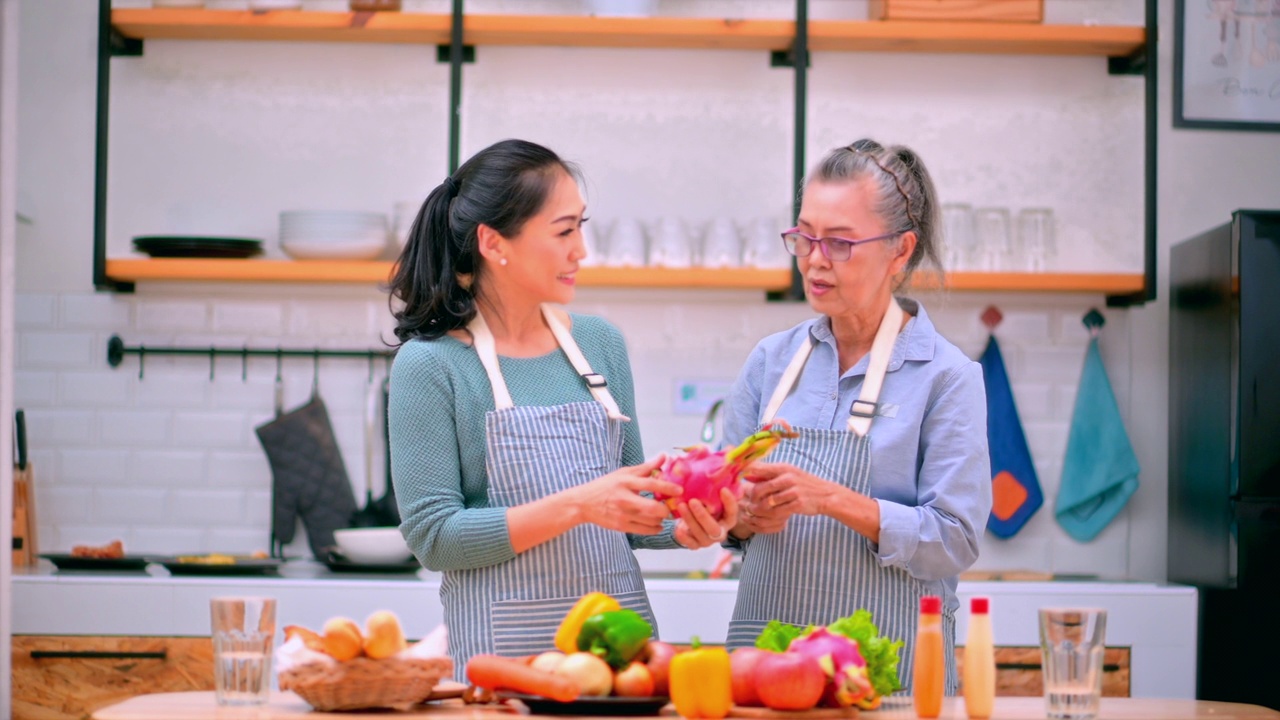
{"points": [[434, 281]]}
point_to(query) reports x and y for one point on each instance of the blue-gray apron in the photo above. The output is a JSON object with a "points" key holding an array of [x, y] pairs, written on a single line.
{"points": [[513, 608], [817, 570]]}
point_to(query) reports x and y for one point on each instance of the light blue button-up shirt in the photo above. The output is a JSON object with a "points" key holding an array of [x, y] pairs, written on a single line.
{"points": [[930, 471]]}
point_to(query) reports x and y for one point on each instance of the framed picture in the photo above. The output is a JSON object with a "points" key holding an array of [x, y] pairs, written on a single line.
{"points": [[1226, 64]]}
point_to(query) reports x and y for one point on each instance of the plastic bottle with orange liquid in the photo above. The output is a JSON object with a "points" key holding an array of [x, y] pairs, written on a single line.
{"points": [[928, 676]]}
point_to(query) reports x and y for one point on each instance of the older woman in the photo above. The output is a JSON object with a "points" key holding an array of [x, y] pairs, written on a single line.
{"points": [[518, 469], [883, 497]]}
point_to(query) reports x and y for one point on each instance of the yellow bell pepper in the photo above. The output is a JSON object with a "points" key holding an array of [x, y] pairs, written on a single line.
{"points": [[701, 682], [588, 605]]}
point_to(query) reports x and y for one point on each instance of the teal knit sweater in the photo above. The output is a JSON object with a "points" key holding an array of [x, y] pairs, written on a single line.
{"points": [[440, 395]]}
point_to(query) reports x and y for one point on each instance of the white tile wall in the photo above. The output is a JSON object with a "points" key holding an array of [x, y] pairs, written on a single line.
{"points": [[170, 463], [162, 444]]}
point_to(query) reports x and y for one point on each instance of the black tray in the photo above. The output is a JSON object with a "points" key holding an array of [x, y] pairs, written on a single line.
{"points": [[342, 565], [197, 246], [599, 705], [242, 566], [128, 563]]}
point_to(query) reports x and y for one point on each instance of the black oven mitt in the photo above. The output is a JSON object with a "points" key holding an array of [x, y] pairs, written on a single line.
{"points": [[309, 479]]}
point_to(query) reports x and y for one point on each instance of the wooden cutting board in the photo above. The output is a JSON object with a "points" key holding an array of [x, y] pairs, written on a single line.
{"points": [[762, 713]]}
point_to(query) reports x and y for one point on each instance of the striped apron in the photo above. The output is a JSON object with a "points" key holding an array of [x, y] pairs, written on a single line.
{"points": [[817, 570], [514, 608]]}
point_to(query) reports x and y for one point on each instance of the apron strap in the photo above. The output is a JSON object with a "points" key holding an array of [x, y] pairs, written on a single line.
{"points": [[788, 380], [487, 350], [595, 381], [864, 408]]}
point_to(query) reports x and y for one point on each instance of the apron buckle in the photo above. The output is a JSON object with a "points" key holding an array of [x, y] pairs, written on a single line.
{"points": [[853, 409], [595, 380]]}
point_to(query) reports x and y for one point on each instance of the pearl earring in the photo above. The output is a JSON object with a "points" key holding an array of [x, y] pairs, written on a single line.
{"points": [[502, 261]]}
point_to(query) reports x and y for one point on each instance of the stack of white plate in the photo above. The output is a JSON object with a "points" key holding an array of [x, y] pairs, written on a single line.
{"points": [[333, 235]]}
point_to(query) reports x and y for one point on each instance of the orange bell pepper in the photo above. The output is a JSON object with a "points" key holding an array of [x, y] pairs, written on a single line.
{"points": [[701, 682], [587, 606]]}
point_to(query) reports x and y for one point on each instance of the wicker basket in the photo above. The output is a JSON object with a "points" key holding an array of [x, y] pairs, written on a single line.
{"points": [[366, 683]]}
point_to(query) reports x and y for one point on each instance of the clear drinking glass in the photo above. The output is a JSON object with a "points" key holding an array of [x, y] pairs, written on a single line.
{"points": [[244, 631], [995, 242], [1035, 233], [1072, 644], [958, 235]]}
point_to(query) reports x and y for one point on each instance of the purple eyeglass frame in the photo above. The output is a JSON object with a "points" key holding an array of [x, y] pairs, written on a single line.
{"points": [[825, 243]]}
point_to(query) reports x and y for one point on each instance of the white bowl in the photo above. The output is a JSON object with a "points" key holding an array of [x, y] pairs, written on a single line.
{"points": [[334, 248], [376, 545]]}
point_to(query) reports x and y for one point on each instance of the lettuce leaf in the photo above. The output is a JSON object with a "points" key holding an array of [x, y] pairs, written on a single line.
{"points": [[881, 653], [777, 636]]}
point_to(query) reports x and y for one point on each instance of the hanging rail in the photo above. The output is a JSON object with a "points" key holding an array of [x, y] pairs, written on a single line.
{"points": [[116, 350]]}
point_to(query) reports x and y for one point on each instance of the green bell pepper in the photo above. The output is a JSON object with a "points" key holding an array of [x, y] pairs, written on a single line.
{"points": [[617, 636]]}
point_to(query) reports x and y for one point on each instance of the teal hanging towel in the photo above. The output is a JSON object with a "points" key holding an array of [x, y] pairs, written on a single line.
{"points": [[1100, 471]]}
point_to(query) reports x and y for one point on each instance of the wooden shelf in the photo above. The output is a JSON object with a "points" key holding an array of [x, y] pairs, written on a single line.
{"points": [[975, 37], [230, 270], [1101, 283], [661, 32], [370, 272], [374, 272]]}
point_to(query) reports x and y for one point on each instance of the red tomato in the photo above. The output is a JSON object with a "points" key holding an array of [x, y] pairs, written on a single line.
{"points": [[789, 681]]}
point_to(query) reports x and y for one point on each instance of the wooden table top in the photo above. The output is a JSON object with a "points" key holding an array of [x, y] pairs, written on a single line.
{"points": [[285, 705]]}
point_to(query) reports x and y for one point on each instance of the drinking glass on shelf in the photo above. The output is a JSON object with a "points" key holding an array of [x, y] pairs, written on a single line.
{"points": [[1072, 645], [244, 631], [958, 236], [669, 244], [762, 248], [594, 241], [626, 243], [722, 246], [995, 243], [1035, 233]]}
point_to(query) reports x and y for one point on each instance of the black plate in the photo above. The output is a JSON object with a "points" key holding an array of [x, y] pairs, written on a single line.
{"points": [[337, 563], [128, 563], [242, 566], [197, 246], [601, 705]]}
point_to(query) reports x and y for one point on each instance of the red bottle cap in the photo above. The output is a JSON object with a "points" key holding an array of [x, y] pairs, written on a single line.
{"points": [[930, 605], [979, 605]]}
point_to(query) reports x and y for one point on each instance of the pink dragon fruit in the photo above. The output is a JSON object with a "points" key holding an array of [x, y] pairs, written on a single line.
{"points": [[840, 659], [703, 473]]}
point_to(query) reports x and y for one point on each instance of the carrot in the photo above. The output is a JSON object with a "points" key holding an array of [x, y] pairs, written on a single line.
{"points": [[499, 673]]}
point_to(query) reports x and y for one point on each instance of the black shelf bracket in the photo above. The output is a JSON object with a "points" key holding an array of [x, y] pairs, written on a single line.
{"points": [[796, 58], [457, 53], [1150, 186], [1135, 64], [444, 54], [122, 46], [110, 44], [785, 58]]}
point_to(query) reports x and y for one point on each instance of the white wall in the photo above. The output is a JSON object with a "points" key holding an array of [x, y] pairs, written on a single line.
{"points": [[219, 137], [8, 216]]}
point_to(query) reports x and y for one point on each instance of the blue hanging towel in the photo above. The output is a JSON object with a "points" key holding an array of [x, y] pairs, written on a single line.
{"points": [[1015, 490], [1100, 470]]}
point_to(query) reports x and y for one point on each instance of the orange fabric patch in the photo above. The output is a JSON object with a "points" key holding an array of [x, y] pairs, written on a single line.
{"points": [[1007, 495]]}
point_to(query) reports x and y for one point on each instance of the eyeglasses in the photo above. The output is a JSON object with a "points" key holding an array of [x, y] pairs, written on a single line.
{"points": [[833, 248]]}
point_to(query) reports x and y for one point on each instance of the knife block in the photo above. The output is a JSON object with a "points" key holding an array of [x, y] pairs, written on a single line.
{"points": [[24, 518]]}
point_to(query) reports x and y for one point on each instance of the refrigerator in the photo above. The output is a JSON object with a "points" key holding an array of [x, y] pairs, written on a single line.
{"points": [[1224, 449]]}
